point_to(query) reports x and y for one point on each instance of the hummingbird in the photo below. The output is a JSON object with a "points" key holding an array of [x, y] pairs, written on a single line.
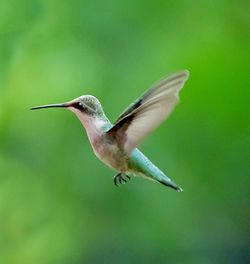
{"points": [[116, 144]]}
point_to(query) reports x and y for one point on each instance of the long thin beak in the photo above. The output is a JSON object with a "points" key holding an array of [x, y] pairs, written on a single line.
{"points": [[48, 106]]}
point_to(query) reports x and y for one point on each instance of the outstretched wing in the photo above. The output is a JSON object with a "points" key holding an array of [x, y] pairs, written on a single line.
{"points": [[148, 111]]}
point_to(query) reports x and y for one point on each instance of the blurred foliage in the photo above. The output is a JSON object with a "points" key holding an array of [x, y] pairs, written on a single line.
{"points": [[57, 201]]}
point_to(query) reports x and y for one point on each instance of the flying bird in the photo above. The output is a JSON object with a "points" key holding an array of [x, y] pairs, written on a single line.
{"points": [[116, 144]]}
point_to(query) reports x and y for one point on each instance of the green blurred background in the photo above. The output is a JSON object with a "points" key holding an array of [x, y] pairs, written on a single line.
{"points": [[57, 201]]}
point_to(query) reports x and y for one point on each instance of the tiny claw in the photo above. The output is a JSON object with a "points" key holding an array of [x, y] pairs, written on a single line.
{"points": [[124, 180], [115, 181], [116, 178], [119, 179]]}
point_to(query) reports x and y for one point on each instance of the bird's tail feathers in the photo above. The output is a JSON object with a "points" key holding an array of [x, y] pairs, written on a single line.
{"points": [[163, 179], [167, 182]]}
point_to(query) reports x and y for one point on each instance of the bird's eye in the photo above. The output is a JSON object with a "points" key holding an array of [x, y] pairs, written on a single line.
{"points": [[78, 105]]}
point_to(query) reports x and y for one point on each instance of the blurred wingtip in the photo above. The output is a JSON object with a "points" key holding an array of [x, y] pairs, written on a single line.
{"points": [[185, 74]]}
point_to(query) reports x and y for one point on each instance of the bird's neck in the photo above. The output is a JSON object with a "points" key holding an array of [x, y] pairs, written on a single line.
{"points": [[95, 126]]}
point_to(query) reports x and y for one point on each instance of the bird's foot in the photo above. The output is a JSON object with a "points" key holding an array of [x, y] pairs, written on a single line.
{"points": [[121, 178]]}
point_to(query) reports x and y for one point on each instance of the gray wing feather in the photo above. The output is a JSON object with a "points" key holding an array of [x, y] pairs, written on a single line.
{"points": [[148, 111]]}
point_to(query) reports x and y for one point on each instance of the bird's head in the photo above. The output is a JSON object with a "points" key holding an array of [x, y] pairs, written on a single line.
{"points": [[85, 105]]}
